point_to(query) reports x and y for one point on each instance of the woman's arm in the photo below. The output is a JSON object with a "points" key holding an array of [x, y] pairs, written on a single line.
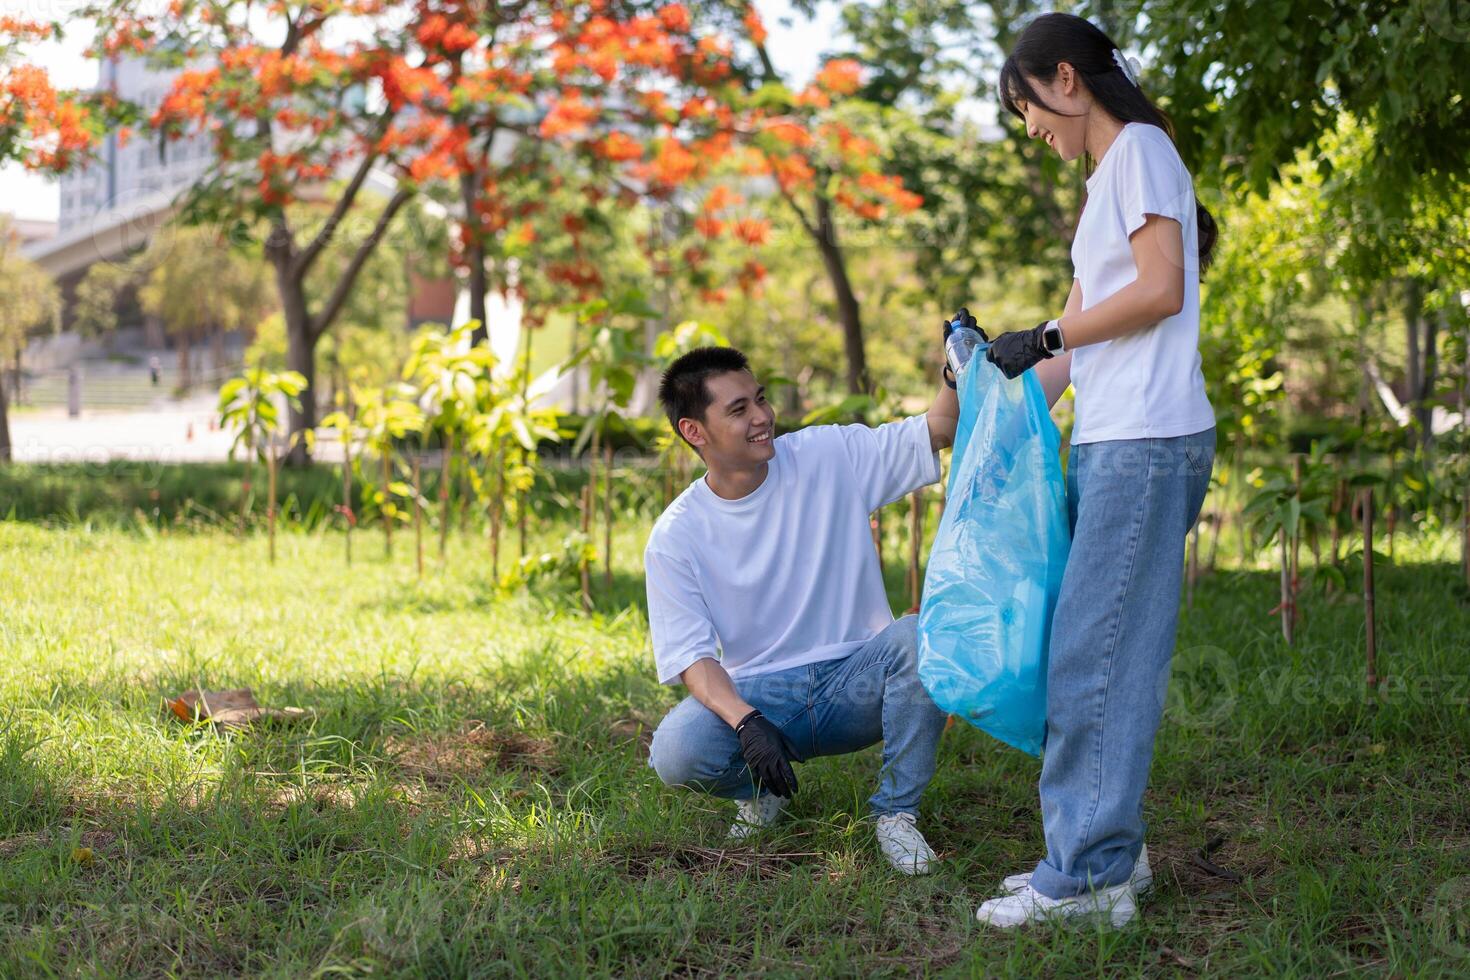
{"points": [[1158, 292], [1055, 374]]}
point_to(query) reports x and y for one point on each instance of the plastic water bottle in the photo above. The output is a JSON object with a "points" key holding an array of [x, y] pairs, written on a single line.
{"points": [[961, 345]]}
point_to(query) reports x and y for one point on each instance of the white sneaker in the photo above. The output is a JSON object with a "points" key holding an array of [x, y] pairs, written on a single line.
{"points": [[1115, 906], [753, 816], [1142, 878], [903, 845]]}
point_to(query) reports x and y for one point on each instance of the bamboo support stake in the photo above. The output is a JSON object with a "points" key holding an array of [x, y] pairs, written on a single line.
{"points": [[1369, 600], [582, 565], [444, 479], [347, 514], [1391, 518], [1339, 493], [1298, 478], [607, 517], [1287, 614], [497, 503], [418, 517], [388, 519], [1465, 534], [270, 507], [523, 500]]}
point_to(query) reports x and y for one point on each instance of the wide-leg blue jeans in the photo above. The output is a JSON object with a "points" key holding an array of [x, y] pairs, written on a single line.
{"points": [[1132, 504]]}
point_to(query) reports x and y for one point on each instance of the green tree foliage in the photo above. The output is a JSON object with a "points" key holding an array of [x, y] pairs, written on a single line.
{"points": [[200, 286], [1252, 82]]}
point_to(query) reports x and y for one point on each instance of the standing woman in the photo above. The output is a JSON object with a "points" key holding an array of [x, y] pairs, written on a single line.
{"points": [[1142, 447]]}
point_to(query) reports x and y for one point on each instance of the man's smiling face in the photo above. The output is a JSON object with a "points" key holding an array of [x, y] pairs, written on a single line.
{"points": [[739, 426]]}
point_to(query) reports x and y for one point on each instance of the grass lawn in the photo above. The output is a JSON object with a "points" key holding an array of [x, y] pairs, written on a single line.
{"points": [[472, 796]]}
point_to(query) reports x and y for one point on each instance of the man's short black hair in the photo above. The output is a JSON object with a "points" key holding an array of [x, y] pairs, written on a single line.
{"points": [[682, 391]]}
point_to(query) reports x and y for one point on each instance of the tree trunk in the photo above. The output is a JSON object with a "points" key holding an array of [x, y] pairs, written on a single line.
{"points": [[474, 254], [1429, 377], [5, 453], [301, 358], [848, 309], [186, 374], [1413, 316]]}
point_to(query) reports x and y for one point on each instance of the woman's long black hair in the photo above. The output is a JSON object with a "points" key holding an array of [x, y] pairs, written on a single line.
{"points": [[1052, 39]]}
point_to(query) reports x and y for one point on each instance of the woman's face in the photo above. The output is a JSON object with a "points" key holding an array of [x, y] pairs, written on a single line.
{"points": [[1063, 126]]}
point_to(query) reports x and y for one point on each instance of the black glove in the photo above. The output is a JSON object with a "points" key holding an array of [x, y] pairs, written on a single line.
{"points": [[1016, 353], [767, 751], [964, 319]]}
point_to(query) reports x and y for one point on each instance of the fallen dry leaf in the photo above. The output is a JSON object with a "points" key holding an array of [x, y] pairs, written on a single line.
{"points": [[228, 709]]}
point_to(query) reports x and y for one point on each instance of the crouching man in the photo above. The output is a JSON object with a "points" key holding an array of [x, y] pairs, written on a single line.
{"points": [[766, 600]]}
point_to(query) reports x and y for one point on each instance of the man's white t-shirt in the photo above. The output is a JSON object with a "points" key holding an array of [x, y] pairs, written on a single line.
{"points": [[787, 575], [1148, 384]]}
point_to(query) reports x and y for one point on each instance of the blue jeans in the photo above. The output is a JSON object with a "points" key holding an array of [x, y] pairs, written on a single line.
{"points": [[826, 708], [1132, 503]]}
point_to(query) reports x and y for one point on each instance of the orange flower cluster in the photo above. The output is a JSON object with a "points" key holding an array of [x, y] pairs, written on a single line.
{"points": [[890, 188], [438, 32], [403, 84], [671, 166], [755, 28], [847, 143], [618, 147], [569, 115], [788, 131], [719, 198], [840, 76], [753, 231], [750, 277], [14, 30], [186, 100]]}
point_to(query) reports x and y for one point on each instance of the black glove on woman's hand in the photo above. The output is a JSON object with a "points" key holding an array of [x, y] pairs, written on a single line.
{"points": [[1016, 353], [767, 751]]}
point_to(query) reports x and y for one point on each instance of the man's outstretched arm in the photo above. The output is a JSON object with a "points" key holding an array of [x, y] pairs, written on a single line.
{"points": [[943, 416], [712, 687]]}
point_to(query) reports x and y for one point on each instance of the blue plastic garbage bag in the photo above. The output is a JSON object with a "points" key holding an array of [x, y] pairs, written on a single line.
{"points": [[997, 561]]}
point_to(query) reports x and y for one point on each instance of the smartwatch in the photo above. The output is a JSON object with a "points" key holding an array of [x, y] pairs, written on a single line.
{"points": [[1052, 339]]}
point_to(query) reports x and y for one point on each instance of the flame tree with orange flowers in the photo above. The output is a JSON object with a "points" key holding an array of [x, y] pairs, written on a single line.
{"points": [[825, 170]]}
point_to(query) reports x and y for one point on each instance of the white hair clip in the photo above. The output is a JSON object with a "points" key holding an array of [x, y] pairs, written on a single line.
{"points": [[1128, 66]]}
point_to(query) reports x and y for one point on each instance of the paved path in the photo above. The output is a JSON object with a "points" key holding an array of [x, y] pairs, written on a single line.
{"points": [[179, 433]]}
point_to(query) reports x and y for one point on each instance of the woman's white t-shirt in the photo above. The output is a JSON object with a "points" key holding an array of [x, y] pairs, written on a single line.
{"points": [[1148, 384]]}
